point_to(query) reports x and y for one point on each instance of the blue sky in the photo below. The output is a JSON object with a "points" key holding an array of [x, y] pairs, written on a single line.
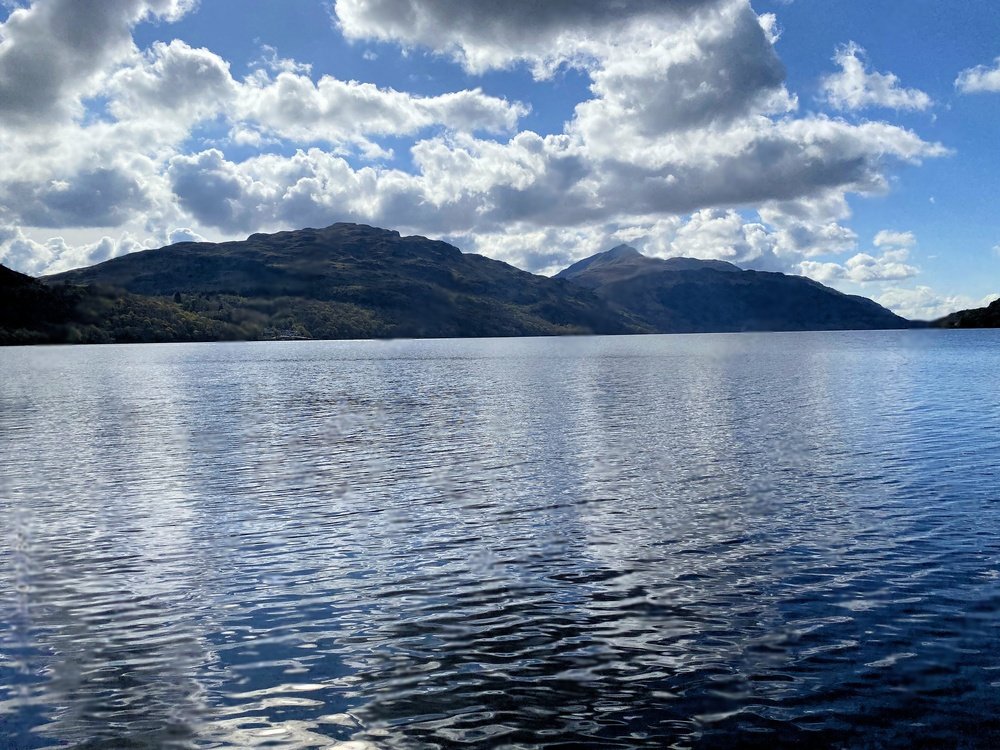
{"points": [[852, 142]]}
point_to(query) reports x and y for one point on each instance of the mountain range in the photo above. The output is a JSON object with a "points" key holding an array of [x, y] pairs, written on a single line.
{"points": [[355, 281]]}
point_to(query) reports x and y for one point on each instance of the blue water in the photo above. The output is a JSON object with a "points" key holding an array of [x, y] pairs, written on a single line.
{"points": [[661, 541]]}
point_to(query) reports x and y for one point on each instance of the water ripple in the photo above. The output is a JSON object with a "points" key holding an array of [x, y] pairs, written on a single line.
{"points": [[678, 541]]}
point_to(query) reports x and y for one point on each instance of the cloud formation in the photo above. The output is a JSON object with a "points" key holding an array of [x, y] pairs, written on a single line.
{"points": [[864, 268], [855, 88], [980, 79], [482, 36], [890, 239], [177, 83], [688, 141], [54, 53], [923, 303]]}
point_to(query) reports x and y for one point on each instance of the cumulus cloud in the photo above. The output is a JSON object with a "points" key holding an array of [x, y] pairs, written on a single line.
{"points": [[293, 107], [716, 68], [22, 253], [724, 235], [863, 268], [183, 234], [856, 88], [99, 197], [178, 83], [108, 172], [494, 35], [173, 83], [54, 52], [688, 129], [889, 266], [980, 79], [810, 226], [888, 238], [463, 183]]}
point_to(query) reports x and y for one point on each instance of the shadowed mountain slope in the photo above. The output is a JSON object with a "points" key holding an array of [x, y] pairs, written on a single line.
{"points": [[355, 281], [980, 317], [687, 295], [625, 262], [35, 313]]}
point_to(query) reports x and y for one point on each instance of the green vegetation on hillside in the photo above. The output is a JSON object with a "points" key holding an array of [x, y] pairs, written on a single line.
{"points": [[343, 282], [352, 281]]}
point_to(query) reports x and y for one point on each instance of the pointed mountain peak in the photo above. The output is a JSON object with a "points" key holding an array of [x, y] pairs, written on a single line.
{"points": [[608, 257], [622, 251]]}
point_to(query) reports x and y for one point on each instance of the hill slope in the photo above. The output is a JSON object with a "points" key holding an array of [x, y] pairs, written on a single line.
{"points": [[34, 313], [30, 312], [980, 317], [687, 295], [354, 281]]}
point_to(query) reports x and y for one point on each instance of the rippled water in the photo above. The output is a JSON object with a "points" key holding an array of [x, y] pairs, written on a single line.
{"points": [[688, 541]]}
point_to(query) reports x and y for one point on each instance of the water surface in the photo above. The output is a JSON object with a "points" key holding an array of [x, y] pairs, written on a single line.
{"points": [[689, 541]]}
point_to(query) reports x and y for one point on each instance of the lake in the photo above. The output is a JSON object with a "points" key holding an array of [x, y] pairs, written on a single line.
{"points": [[704, 541]]}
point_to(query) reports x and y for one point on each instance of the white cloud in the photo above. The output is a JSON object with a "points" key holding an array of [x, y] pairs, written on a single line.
{"points": [[688, 129], [717, 68], [183, 234], [271, 60], [20, 252], [55, 52], [923, 303], [723, 235], [855, 88], [463, 183], [495, 35], [887, 238], [177, 83], [980, 79], [864, 268], [109, 172], [889, 266], [173, 84], [809, 227], [295, 108]]}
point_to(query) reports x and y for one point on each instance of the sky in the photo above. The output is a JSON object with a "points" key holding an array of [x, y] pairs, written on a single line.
{"points": [[853, 142]]}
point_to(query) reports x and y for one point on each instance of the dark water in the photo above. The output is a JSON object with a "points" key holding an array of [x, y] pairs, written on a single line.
{"points": [[691, 541]]}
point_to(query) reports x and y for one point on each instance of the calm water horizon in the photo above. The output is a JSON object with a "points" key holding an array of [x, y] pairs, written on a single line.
{"points": [[704, 541]]}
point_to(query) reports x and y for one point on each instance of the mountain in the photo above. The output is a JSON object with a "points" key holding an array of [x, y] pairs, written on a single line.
{"points": [[356, 281], [352, 281], [625, 262], [980, 317], [686, 295]]}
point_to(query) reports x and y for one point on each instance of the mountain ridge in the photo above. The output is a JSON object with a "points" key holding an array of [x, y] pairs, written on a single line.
{"points": [[688, 295], [357, 281]]}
